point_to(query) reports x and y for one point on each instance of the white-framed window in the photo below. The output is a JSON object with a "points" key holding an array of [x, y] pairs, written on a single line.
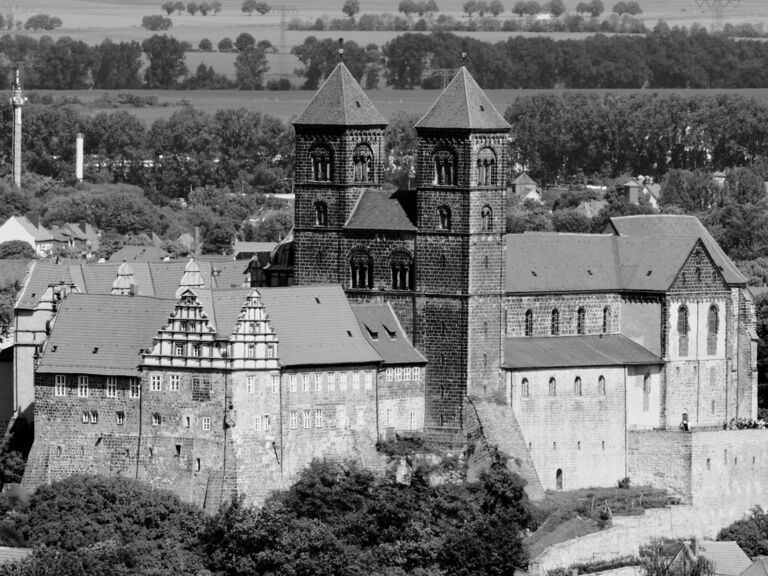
{"points": [[399, 373], [294, 418], [251, 351], [415, 373], [206, 422], [407, 373], [306, 419], [318, 382], [178, 349], [173, 382], [292, 382], [250, 384], [120, 418], [305, 382], [360, 415], [60, 385], [388, 417], [156, 419], [82, 386], [257, 423], [332, 380], [275, 383], [86, 417], [319, 422], [156, 383], [369, 380], [135, 388], [412, 420], [271, 350], [111, 387], [390, 374], [355, 380], [94, 417], [343, 381], [267, 422]]}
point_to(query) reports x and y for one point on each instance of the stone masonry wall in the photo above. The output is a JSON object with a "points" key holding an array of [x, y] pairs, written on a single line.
{"points": [[662, 459], [515, 307]]}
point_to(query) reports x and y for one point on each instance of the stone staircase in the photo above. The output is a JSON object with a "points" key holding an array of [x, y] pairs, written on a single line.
{"points": [[491, 424]]}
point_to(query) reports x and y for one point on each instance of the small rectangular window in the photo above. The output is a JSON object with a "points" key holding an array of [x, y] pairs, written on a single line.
{"points": [[251, 351], [82, 386], [86, 417], [187, 422], [156, 383], [407, 373], [196, 350], [257, 423], [292, 381], [360, 415], [319, 418], [206, 422], [120, 418], [399, 373], [275, 383], [178, 349], [267, 422], [111, 387], [390, 374], [173, 382], [305, 382], [415, 373], [388, 418], [294, 419], [60, 387], [135, 388], [369, 380], [271, 348], [250, 384], [316, 378], [343, 381], [94, 417], [156, 419], [332, 380], [306, 419], [355, 380]]}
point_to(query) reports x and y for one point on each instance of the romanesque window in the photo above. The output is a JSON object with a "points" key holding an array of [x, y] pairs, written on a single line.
{"points": [[60, 385], [577, 386], [529, 322], [713, 326], [321, 159], [552, 386], [601, 385], [525, 388], [321, 213], [486, 216], [559, 479], [445, 168], [682, 330], [486, 167], [401, 264], [646, 392], [362, 157], [581, 321], [555, 324], [444, 213], [361, 269], [606, 319], [697, 275]]}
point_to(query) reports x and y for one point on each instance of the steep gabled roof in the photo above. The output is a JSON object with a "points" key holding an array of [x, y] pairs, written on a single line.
{"points": [[340, 101], [575, 351], [463, 104], [384, 210], [383, 331]]}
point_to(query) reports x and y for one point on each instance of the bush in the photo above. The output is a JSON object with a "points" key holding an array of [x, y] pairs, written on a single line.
{"points": [[624, 483], [226, 45], [42, 22], [280, 84], [205, 45], [156, 22]]}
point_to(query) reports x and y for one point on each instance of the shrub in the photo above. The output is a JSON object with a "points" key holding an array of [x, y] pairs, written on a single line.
{"points": [[156, 22], [624, 483]]}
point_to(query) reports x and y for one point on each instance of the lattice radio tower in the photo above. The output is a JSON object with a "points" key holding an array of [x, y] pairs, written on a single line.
{"points": [[284, 11], [717, 7]]}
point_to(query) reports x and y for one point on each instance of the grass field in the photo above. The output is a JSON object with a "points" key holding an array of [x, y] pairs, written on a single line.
{"points": [[285, 105]]}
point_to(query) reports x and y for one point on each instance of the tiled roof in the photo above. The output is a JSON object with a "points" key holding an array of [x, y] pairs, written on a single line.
{"points": [[8, 554], [103, 334], [315, 326], [39, 233], [225, 275], [669, 226], [729, 559], [138, 254], [42, 274], [574, 351], [384, 210], [524, 178], [550, 262], [384, 332], [758, 568], [253, 247], [340, 101], [463, 104]]}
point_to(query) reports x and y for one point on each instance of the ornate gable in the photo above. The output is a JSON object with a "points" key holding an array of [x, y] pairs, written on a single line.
{"points": [[254, 344]]}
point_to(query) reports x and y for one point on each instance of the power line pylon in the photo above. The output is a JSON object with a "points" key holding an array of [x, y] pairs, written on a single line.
{"points": [[717, 7], [284, 11]]}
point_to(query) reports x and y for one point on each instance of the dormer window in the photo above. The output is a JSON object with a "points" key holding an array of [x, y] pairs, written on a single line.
{"points": [[364, 169], [486, 167], [321, 213], [445, 168], [444, 214], [321, 158]]}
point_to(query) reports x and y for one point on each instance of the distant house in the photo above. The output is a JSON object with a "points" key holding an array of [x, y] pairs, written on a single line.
{"points": [[591, 208], [29, 230], [643, 188], [526, 188], [718, 178], [727, 558]]}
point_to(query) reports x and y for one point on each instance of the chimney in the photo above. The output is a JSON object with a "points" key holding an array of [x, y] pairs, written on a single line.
{"points": [[79, 157]]}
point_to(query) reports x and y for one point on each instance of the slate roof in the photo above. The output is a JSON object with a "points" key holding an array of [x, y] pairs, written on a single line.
{"points": [[464, 105], [551, 262], [315, 326], [729, 559], [523, 179], [42, 274], [138, 254], [384, 332], [384, 210], [575, 351], [340, 101], [8, 554], [103, 334], [669, 226]]}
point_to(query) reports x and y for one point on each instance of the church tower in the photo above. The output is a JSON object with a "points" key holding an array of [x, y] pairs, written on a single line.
{"points": [[339, 154], [462, 164]]}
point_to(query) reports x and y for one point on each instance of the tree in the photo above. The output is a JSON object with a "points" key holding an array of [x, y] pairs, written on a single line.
{"points": [[482, 7], [408, 7], [156, 22], [205, 45], [244, 41], [469, 7], [168, 7], [620, 8], [117, 65], [596, 8], [216, 5], [633, 8], [250, 67], [204, 8], [226, 45], [166, 61], [263, 8], [249, 6], [555, 7], [179, 7], [42, 22], [583, 8], [351, 7], [16, 249], [192, 8], [496, 8], [520, 8]]}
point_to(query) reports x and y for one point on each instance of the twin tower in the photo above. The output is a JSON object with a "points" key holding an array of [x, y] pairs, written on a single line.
{"points": [[436, 253]]}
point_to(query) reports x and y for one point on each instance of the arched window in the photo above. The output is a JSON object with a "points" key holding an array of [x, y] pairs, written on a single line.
{"points": [[577, 386], [525, 388], [322, 159], [401, 264], [364, 169], [559, 479], [361, 269], [445, 168], [555, 328], [581, 321], [321, 213], [713, 326], [601, 385], [646, 392], [682, 330], [486, 216], [529, 322], [606, 319], [444, 213], [486, 167], [697, 274], [552, 386]]}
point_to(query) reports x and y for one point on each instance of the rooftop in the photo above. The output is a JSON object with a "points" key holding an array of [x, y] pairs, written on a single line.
{"points": [[575, 351], [383, 331], [384, 210]]}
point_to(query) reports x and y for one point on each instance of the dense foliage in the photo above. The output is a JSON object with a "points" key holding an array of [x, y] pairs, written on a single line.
{"points": [[750, 533]]}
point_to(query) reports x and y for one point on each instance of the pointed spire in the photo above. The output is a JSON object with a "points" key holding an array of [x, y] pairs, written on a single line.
{"points": [[125, 283], [191, 279], [463, 104], [340, 101]]}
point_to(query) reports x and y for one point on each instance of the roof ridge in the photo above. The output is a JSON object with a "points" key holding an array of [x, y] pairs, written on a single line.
{"points": [[464, 73]]}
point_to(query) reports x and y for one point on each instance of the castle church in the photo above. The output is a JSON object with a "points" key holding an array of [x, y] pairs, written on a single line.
{"points": [[585, 357]]}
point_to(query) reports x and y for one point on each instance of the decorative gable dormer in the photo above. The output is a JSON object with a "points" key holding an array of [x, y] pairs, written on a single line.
{"points": [[125, 282], [254, 344], [191, 279]]}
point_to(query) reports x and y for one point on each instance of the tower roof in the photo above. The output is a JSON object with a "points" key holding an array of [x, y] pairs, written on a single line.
{"points": [[340, 101], [463, 104]]}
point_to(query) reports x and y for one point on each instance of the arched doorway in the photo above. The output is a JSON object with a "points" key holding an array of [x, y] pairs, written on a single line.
{"points": [[559, 479]]}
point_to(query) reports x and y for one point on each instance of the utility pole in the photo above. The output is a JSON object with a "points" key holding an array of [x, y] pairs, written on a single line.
{"points": [[717, 7], [284, 10], [17, 101]]}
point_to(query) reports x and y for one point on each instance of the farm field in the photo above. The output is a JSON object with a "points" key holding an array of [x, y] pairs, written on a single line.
{"points": [[287, 104]]}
